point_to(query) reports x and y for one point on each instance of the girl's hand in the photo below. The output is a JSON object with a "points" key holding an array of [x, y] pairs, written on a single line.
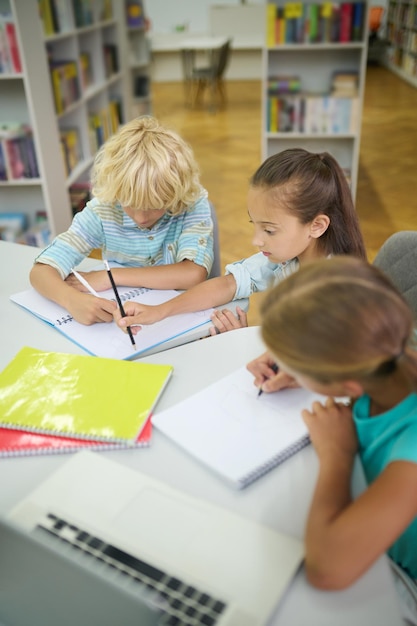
{"points": [[267, 377], [137, 313], [225, 320], [87, 309], [98, 280], [331, 428]]}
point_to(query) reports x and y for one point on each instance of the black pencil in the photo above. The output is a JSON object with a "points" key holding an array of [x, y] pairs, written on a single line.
{"points": [[273, 367], [119, 302]]}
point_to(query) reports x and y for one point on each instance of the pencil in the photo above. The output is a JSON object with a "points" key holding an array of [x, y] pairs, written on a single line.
{"points": [[84, 282], [119, 302], [273, 367]]}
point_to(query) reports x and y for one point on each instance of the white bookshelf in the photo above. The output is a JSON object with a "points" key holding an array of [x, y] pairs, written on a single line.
{"points": [[139, 61], [29, 98], [315, 64], [401, 26]]}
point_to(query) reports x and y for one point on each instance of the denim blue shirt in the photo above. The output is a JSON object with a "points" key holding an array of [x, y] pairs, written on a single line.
{"points": [[258, 274]]}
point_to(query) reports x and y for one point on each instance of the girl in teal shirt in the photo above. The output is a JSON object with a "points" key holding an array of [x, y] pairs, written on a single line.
{"points": [[339, 327]]}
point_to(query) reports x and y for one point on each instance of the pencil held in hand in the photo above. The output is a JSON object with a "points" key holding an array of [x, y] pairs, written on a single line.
{"points": [[119, 302], [273, 367]]}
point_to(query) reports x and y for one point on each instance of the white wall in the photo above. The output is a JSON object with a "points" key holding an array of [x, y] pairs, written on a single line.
{"points": [[166, 15]]}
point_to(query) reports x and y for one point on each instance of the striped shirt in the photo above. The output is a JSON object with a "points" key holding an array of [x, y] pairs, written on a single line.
{"points": [[107, 227]]}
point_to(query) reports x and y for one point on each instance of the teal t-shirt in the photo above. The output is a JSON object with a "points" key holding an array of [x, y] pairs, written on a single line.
{"points": [[391, 436]]}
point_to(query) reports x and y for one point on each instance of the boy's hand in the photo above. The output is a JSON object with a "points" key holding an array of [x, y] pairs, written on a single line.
{"points": [[137, 313], [98, 280], [225, 320], [266, 378], [331, 428], [88, 309]]}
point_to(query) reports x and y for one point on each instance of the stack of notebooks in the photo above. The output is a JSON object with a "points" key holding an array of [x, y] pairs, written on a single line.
{"points": [[52, 402]]}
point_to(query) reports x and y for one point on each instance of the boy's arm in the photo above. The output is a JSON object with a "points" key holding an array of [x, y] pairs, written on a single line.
{"points": [[84, 308], [205, 295], [182, 275]]}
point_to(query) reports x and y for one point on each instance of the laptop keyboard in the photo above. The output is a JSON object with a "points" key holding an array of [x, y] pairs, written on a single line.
{"points": [[180, 604]]}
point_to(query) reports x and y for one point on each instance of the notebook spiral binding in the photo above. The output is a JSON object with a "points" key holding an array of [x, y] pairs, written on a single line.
{"points": [[15, 452], [274, 461], [137, 291]]}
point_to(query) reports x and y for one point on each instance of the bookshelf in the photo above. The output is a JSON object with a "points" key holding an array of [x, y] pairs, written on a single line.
{"points": [[401, 29], [72, 92], [139, 59], [307, 45]]}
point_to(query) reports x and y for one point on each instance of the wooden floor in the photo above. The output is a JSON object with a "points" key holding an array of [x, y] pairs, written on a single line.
{"points": [[227, 147]]}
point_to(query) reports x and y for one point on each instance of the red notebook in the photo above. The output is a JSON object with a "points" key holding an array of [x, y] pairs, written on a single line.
{"points": [[22, 443]]}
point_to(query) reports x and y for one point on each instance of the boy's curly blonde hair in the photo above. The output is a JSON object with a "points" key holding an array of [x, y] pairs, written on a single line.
{"points": [[146, 166]]}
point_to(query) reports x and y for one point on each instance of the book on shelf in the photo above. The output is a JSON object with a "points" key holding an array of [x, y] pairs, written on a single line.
{"points": [[236, 433], [80, 397], [135, 14], [326, 22], [345, 84], [108, 340], [10, 60], [71, 148], [111, 59], [86, 70], [64, 77], [83, 12], [17, 152]]}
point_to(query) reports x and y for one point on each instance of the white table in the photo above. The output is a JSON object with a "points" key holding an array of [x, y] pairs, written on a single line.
{"points": [[279, 500]]}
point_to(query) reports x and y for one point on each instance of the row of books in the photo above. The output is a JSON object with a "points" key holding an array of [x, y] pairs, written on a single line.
{"points": [[14, 227], [60, 16], [10, 61], [299, 22], [17, 152], [343, 83], [69, 76], [312, 114]]}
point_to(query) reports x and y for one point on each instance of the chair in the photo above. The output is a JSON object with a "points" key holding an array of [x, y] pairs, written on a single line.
{"points": [[216, 268], [398, 259], [209, 76]]}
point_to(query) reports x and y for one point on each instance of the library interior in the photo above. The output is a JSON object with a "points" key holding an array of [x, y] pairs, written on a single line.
{"points": [[239, 81]]}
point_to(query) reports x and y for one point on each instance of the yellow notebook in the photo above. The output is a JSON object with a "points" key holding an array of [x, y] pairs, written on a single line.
{"points": [[83, 397]]}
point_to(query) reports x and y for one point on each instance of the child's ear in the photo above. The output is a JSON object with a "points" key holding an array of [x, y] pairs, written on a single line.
{"points": [[353, 388], [319, 225]]}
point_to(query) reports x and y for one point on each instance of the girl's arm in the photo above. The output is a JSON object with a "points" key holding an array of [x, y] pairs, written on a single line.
{"points": [[344, 537], [182, 275], [210, 293], [84, 308]]}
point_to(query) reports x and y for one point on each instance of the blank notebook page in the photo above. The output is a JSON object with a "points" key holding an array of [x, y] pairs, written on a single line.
{"points": [[238, 434]]}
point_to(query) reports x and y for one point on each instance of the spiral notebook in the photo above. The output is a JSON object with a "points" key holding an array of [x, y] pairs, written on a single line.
{"points": [[80, 397], [107, 340], [236, 433], [16, 443]]}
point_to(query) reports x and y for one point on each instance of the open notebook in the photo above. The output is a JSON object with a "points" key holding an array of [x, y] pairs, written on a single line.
{"points": [[107, 340], [236, 433], [81, 397], [201, 563]]}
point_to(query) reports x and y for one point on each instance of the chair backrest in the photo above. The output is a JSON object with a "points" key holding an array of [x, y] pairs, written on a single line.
{"points": [[398, 259], [223, 59], [216, 270]]}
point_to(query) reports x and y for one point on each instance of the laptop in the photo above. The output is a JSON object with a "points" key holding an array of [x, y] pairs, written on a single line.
{"points": [[198, 564]]}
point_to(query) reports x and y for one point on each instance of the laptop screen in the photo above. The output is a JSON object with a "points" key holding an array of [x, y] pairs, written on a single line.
{"points": [[45, 583]]}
